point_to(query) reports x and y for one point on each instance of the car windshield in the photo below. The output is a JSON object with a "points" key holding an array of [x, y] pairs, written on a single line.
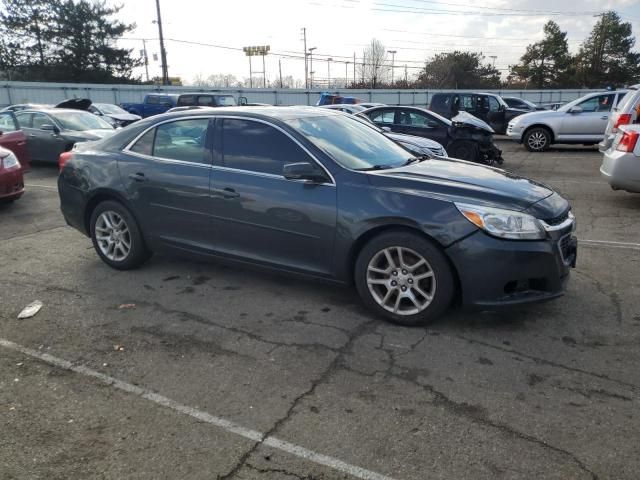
{"points": [[80, 121], [350, 142], [109, 108]]}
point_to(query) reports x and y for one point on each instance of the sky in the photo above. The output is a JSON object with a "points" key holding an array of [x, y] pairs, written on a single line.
{"points": [[205, 38]]}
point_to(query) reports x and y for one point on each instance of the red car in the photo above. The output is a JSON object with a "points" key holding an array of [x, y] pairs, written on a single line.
{"points": [[14, 139], [11, 180]]}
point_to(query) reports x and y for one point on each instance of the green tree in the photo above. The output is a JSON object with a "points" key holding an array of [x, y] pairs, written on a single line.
{"points": [[458, 70], [606, 57], [25, 28], [545, 63], [63, 40]]}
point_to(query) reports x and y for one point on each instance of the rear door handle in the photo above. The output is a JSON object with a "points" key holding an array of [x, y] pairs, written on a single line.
{"points": [[32, 135], [138, 177], [606, 117]]}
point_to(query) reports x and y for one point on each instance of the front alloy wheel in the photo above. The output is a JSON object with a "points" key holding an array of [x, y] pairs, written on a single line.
{"points": [[537, 140], [404, 277], [401, 281]]}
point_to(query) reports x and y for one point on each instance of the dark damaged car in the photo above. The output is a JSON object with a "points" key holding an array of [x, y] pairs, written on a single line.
{"points": [[319, 193]]}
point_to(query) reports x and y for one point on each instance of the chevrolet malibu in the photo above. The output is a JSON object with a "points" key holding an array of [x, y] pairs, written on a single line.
{"points": [[318, 193]]}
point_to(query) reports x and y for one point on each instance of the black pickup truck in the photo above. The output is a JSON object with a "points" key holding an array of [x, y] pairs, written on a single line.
{"points": [[486, 106]]}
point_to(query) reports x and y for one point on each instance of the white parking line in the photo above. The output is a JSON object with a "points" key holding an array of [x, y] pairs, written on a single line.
{"points": [[222, 423], [50, 187], [610, 244]]}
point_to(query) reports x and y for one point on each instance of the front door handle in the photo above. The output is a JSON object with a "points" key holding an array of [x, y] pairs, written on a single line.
{"points": [[32, 135], [227, 192], [138, 177], [604, 118]]}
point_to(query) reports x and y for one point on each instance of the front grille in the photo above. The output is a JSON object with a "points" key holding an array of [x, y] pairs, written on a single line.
{"points": [[567, 250]]}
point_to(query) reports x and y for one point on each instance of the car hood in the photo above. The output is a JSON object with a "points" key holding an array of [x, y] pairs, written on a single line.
{"points": [[532, 117], [466, 119], [460, 181], [75, 104], [124, 117], [413, 140]]}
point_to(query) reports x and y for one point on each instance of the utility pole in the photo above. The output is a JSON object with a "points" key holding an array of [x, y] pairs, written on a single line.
{"points": [[364, 61], [346, 74], [280, 70], [393, 61], [494, 59], [306, 69], [264, 73], [354, 67], [163, 52], [311, 63], [405, 73], [329, 60], [146, 58]]}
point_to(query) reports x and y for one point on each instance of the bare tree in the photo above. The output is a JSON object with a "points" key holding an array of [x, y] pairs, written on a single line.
{"points": [[375, 66]]}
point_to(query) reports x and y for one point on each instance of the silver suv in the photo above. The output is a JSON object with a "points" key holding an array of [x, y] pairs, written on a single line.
{"points": [[582, 121], [626, 112]]}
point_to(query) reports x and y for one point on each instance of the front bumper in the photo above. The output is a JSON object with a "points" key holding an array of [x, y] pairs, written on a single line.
{"points": [[495, 272], [514, 132]]}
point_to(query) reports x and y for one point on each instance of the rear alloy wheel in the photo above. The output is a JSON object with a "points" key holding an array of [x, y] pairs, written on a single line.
{"points": [[537, 140], [405, 278], [116, 236]]}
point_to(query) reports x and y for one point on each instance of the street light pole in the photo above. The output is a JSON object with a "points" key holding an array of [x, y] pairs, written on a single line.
{"points": [[329, 60], [393, 61], [163, 52], [306, 68]]}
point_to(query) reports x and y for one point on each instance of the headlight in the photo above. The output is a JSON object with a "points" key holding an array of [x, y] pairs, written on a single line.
{"points": [[10, 161], [503, 223]]}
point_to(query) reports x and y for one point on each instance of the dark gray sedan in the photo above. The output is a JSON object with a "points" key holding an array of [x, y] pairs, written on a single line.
{"points": [[319, 193], [55, 130]]}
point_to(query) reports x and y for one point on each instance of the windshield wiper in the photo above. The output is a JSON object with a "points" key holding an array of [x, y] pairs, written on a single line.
{"points": [[374, 167], [417, 158]]}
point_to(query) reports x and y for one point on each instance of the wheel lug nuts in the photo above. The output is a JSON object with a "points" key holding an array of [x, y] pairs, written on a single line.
{"points": [[411, 280], [404, 272], [404, 289], [394, 283], [394, 273]]}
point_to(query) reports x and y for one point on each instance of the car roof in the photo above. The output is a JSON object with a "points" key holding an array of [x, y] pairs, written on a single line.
{"points": [[281, 113], [51, 110]]}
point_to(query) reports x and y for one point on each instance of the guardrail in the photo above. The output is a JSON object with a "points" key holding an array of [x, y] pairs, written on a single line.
{"points": [[51, 93]]}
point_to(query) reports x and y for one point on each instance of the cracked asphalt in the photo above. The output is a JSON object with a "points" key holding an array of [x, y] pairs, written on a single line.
{"points": [[548, 391]]}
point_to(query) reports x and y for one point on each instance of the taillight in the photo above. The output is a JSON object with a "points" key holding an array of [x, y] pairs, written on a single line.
{"points": [[628, 141], [623, 119], [63, 159]]}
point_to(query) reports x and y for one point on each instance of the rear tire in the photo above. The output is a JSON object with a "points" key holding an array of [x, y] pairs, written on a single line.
{"points": [[116, 236], [404, 277], [537, 139], [464, 150]]}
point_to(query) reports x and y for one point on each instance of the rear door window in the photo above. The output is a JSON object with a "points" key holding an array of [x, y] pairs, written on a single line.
{"points": [[186, 101], [383, 117], [24, 119], [182, 140]]}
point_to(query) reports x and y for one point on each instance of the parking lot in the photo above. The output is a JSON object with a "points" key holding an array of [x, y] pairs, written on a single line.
{"points": [[203, 370]]}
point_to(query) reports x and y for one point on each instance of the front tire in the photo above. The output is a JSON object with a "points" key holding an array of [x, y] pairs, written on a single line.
{"points": [[116, 236], [537, 139], [463, 150], [405, 278]]}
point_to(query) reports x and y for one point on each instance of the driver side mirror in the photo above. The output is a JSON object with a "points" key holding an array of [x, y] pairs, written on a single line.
{"points": [[575, 109], [303, 171], [50, 128]]}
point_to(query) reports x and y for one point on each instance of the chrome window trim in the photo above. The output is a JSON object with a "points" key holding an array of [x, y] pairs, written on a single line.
{"points": [[170, 160], [267, 175], [127, 147]]}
